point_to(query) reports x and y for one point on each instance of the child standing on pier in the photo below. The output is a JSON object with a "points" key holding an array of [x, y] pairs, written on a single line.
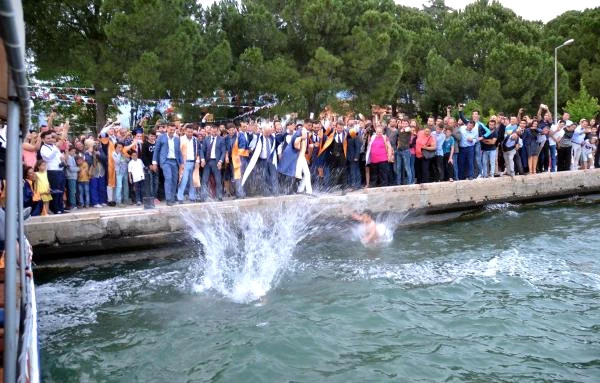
{"points": [[42, 186], [83, 182], [136, 175]]}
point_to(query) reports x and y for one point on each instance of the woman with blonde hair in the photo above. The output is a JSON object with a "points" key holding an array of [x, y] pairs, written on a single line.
{"points": [[378, 155]]}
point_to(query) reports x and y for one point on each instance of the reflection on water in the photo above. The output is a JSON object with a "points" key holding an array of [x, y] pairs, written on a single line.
{"points": [[509, 295]]}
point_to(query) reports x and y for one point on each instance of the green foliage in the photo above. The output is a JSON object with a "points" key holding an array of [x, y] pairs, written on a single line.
{"points": [[584, 27], [306, 51], [583, 106]]}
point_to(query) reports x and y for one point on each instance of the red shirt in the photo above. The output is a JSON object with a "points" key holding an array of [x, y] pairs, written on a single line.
{"points": [[423, 140]]}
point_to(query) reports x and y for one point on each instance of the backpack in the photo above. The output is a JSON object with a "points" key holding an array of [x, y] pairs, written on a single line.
{"points": [[505, 146]]}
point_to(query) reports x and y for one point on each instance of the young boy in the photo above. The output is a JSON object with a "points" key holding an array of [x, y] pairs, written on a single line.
{"points": [[448, 148], [588, 150], [72, 172], [136, 175], [83, 181]]}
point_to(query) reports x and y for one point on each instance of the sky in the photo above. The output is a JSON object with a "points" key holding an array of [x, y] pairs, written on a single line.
{"points": [[544, 10]]}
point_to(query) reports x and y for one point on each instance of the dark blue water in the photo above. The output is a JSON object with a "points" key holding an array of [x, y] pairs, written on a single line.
{"points": [[511, 294]]}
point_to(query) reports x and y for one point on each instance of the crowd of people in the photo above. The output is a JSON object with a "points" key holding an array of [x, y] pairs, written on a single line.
{"points": [[176, 162]]}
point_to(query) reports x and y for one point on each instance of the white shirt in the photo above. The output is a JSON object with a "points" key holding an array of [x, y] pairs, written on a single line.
{"points": [[578, 135], [171, 153], [213, 145], [189, 149], [136, 168], [556, 132], [3, 136], [51, 155], [265, 150]]}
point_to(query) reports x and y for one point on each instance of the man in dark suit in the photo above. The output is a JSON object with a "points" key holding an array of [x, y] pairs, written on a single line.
{"points": [[335, 151], [212, 157], [353, 155], [167, 154]]}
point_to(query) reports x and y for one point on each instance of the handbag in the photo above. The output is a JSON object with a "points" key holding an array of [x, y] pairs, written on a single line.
{"points": [[428, 154], [389, 150]]}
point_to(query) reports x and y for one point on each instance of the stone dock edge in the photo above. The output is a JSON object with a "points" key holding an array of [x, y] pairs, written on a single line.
{"points": [[99, 231]]}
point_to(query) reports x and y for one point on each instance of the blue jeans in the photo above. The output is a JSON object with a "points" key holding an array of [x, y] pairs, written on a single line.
{"points": [[354, 179], [478, 158], [72, 190], [152, 178], [187, 177], [171, 173], [210, 167], [122, 189], [84, 193], [455, 164], [138, 186], [553, 159], [412, 168], [404, 173], [489, 160], [465, 162], [98, 190], [56, 179]]}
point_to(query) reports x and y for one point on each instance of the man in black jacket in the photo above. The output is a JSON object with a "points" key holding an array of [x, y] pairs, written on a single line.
{"points": [[151, 177]]}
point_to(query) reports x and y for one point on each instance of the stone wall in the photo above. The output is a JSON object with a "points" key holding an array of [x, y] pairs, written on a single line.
{"points": [[106, 230]]}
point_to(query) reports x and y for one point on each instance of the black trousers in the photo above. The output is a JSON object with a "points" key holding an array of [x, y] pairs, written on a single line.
{"points": [[422, 168], [437, 167], [56, 179], [448, 167], [563, 159], [380, 174]]}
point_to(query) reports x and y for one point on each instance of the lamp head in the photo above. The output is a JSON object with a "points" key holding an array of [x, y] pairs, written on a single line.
{"points": [[568, 42]]}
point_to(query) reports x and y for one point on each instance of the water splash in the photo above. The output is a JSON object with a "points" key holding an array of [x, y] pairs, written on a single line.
{"points": [[244, 255], [386, 225]]}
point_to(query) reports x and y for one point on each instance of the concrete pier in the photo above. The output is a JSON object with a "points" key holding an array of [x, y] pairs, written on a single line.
{"points": [[119, 229]]}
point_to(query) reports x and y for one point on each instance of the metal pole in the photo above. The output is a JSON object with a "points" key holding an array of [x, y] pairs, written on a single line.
{"points": [[13, 151], [555, 84], [21, 226]]}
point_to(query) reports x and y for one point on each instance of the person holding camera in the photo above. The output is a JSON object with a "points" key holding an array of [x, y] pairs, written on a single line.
{"points": [[55, 161]]}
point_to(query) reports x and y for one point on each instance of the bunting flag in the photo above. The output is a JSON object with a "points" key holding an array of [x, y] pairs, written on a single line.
{"points": [[254, 110]]}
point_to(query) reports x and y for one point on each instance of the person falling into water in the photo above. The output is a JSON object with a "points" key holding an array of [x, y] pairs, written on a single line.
{"points": [[370, 231]]}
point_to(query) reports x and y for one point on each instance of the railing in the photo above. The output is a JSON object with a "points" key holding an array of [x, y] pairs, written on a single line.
{"points": [[27, 359], [19, 316]]}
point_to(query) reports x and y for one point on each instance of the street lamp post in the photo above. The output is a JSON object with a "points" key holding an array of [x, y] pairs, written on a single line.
{"points": [[568, 42]]}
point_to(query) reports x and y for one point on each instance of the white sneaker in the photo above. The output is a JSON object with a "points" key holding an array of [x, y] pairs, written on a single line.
{"points": [[98, 205]]}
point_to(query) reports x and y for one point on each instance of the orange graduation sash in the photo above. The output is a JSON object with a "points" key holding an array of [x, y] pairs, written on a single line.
{"points": [[236, 152]]}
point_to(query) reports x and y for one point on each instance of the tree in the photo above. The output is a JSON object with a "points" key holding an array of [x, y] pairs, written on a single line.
{"points": [[490, 95], [67, 37], [93, 40], [525, 74], [584, 27], [583, 106], [447, 83]]}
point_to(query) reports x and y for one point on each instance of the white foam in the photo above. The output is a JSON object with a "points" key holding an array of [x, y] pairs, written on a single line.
{"points": [[245, 255], [534, 270], [74, 301]]}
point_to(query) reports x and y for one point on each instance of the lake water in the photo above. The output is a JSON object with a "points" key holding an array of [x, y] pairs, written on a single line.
{"points": [[510, 294]]}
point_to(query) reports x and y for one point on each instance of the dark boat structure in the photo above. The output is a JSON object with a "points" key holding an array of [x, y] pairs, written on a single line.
{"points": [[17, 296]]}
